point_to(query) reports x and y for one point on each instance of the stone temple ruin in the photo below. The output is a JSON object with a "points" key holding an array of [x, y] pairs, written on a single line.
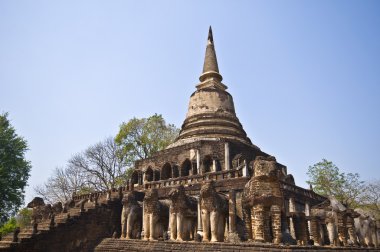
{"points": [[212, 189]]}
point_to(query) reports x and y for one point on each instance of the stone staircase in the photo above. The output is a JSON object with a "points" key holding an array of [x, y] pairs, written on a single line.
{"points": [[6, 243], [119, 245], [64, 223]]}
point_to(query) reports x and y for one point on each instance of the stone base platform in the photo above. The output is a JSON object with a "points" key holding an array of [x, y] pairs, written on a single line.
{"points": [[118, 245]]}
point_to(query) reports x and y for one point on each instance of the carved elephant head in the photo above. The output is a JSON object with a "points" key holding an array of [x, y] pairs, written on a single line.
{"points": [[208, 189], [211, 199], [180, 201], [40, 210], [151, 203], [265, 166], [36, 202], [151, 195], [129, 199], [264, 187], [177, 193]]}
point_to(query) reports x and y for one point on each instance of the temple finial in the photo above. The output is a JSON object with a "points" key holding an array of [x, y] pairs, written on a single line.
{"points": [[210, 66], [210, 38]]}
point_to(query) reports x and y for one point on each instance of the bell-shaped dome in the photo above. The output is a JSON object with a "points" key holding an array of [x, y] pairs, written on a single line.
{"points": [[211, 112]]}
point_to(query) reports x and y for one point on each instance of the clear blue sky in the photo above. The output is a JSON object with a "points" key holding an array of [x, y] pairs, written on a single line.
{"points": [[305, 75]]}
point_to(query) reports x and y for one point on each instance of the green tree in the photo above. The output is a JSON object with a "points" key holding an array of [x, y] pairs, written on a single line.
{"points": [[14, 169], [24, 217], [140, 138], [370, 198], [22, 220], [327, 180], [8, 226]]}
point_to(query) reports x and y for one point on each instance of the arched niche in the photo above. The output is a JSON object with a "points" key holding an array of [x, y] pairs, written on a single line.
{"points": [[157, 175], [207, 164], [135, 177], [166, 171], [186, 168], [175, 171], [149, 174]]}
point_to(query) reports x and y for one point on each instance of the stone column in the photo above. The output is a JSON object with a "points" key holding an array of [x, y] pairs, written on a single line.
{"points": [[169, 232], [142, 223], [227, 156], [307, 214], [307, 209], [143, 178], [198, 162], [292, 205], [291, 220], [232, 211], [199, 219], [292, 229], [214, 165], [245, 169]]}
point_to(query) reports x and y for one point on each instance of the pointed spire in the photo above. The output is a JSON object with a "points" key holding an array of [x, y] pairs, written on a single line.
{"points": [[210, 38], [210, 66]]}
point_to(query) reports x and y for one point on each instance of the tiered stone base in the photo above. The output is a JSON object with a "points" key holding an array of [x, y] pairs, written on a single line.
{"points": [[118, 245]]}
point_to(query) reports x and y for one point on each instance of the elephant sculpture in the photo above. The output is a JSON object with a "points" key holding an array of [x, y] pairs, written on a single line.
{"points": [[324, 224], [333, 220], [366, 230], [155, 215], [131, 216], [214, 211], [41, 211], [263, 201], [183, 215]]}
